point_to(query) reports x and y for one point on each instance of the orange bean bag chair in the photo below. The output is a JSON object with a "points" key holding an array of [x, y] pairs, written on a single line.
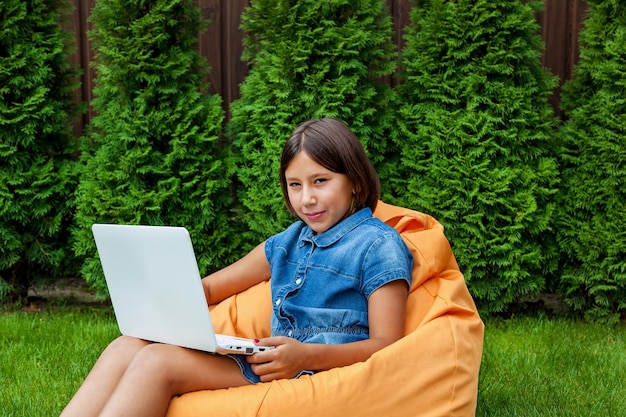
{"points": [[432, 371]]}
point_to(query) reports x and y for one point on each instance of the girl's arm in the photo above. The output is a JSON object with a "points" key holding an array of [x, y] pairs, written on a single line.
{"points": [[386, 309], [239, 276]]}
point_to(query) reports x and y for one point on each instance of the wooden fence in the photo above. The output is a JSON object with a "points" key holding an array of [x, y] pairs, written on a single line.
{"points": [[221, 44]]}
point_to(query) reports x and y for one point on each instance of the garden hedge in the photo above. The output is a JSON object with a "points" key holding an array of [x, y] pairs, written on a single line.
{"points": [[154, 152], [37, 146], [476, 137], [592, 196], [466, 134]]}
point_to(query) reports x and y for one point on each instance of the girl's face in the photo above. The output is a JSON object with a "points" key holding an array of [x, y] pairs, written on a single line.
{"points": [[320, 197]]}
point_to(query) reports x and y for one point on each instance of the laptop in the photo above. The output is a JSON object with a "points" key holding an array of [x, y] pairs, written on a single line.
{"points": [[156, 290]]}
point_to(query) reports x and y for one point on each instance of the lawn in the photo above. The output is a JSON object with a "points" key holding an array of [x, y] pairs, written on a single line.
{"points": [[532, 366], [45, 355], [537, 366]]}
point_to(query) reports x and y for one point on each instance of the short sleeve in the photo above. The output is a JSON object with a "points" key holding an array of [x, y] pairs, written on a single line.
{"points": [[388, 259]]}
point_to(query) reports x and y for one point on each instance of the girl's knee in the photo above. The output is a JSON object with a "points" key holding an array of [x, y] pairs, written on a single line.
{"points": [[126, 344], [155, 355], [122, 350], [154, 362]]}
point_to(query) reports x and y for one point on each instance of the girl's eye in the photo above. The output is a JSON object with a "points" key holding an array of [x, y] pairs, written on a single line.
{"points": [[320, 180], [293, 184]]}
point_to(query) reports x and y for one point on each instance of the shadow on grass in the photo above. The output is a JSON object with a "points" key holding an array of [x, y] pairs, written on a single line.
{"points": [[63, 294]]}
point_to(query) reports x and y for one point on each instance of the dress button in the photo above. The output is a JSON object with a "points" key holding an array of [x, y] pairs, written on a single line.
{"points": [[290, 333], [298, 281], [277, 301]]}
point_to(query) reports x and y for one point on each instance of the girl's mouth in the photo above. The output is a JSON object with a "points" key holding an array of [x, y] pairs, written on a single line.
{"points": [[314, 216]]}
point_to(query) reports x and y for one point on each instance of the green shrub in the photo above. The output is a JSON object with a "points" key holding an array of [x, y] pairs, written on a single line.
{"points": [[154, 153], [309, 59], [36, 144], [593, 195], [476, 134]]}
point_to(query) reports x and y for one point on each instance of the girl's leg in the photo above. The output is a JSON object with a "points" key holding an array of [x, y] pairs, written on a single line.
{"points": [[158, 372], [104, 377]]}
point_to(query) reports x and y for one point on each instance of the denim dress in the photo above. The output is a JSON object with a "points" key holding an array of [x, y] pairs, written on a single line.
{"points": [[321, 283]]}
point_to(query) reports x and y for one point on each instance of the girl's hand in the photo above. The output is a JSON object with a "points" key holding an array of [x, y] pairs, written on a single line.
{"points": [[286, 360]]}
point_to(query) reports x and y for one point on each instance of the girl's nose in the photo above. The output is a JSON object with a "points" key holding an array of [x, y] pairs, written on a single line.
{"points": [[308, 196]]}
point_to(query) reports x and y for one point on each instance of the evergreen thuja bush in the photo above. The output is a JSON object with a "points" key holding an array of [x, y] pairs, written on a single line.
{"points": [[153, 154], [592, 213], [36, 144], [308, 59], [476, 133]]}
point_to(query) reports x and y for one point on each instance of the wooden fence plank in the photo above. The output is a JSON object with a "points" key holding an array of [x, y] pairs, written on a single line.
{"points": [[209, 42], [560, 21]]}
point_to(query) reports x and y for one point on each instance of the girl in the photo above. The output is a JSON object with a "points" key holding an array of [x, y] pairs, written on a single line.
{"points": [[339, 287]]}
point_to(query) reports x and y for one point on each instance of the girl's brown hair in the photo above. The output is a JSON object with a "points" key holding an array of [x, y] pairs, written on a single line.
{"points": [[330, 143]]}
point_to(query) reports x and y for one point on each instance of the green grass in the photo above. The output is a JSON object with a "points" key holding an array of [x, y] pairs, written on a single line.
{"points": [[552, 367], [531, 366], [45, 355]]}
